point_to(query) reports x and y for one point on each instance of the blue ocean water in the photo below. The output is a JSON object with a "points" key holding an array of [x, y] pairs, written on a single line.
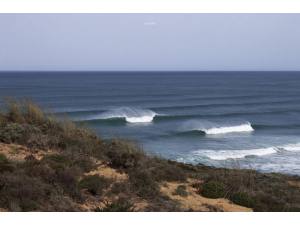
{"points": [[224, 119]]}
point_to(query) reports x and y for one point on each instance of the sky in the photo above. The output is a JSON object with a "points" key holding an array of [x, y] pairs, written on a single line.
{"points": [[149, 42]]}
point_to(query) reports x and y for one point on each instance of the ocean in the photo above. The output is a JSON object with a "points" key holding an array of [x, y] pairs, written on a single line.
{"points": [[222, 119]]}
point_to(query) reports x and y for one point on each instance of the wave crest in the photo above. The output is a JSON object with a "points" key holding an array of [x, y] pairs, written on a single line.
{"points": [[131, 115], [213, 128], [291, 147], [235, 154], [238, 154], [230, 129]]}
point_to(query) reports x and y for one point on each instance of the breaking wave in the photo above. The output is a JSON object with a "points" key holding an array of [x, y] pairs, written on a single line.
{"points": [[291, 147], [238, 154], [235, 154], [131, 115], [212, 128], [230, 129]]}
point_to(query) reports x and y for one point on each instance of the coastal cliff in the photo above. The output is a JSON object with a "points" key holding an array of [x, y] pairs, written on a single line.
{"points": [[52, 165]]}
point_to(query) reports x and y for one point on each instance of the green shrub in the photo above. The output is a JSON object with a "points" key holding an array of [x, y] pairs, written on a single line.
{"points": [[22, 193], [5, 164], [181, 190], [120, 205], [33, 114], [294, 209], [67, 178], [12, 133], [165, 170], [84, 163], [35, 138], [123, 154], [120, 188], [94, 184], [3, 119], [67, 160], [213, 189], [242, 198], [57, 161], [14, 112], [143, 183], [35, 168]]}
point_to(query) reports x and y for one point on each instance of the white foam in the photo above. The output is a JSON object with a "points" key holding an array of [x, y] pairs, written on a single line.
{"points": [[141, 119], [229, 129], [291, 147], [235, 154], [214, 128], [131, 115], [238, 154]]}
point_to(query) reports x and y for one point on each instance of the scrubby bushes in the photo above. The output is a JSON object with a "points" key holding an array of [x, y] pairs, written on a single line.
{"points": [[143, 183], [165, 170], [5, 164], [22, 193], [243, 198], [34, 185], [213, 189], [124, 154], [94, 184], [57, 181], [181, 190], [119, 205], [262, 192], [12, 133], [24, 123], [57, 161]]}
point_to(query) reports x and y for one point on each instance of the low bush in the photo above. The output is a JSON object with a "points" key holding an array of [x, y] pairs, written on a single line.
{"points": [[124, 154], [3, 119], [213, 189], [120, 188], [14, 111], [68, 180], [164, 170], [243, 198], [36, 168], [12, 133], [66, 160], [143, 183], [120, 205], [94, 184], [57, 161], [181, 190], [83, 162], [5, 164], [33, 114], [22, 193]]}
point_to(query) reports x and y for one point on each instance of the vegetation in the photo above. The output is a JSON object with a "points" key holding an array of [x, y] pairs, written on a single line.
{"points": [[120, 205], [55, 174], [181, 190], [242, 198], [94, 184], [5, 165], [213, 189]]}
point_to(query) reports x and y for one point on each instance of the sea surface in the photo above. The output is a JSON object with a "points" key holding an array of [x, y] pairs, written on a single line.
{"points": [[223, 119]]}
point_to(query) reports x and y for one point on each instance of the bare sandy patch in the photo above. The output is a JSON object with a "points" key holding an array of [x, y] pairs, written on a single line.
{"points": [[19, 152], [108, 172], [196, 202], [294, 183]]}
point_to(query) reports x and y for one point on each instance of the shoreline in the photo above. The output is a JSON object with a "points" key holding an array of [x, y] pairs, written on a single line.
{"points": [[51, 165]]}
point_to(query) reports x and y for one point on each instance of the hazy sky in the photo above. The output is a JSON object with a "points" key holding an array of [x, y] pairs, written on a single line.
{"points": [[150, 42]]}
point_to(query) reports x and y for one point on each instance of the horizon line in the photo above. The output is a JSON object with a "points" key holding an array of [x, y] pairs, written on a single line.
{"points": [[138, 71]]}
